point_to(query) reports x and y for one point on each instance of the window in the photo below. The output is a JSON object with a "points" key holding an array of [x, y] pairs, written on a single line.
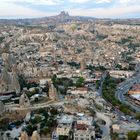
{"points": [[76, 138], [87, 138]]}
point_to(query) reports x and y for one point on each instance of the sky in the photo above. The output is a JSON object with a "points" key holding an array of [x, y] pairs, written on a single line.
{"points": [[91, 8]]}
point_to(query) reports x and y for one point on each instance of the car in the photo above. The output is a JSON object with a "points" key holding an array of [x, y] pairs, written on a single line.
{"points": [[124, 118], [98, 136]]}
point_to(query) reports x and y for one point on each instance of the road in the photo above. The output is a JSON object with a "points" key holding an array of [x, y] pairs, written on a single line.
{"points": [[106, 127], [124, 88], [101, 84], [34, 107]]}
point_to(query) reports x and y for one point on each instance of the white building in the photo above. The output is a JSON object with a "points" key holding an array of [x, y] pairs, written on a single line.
{"points": [[79, 91], [121, 73], [63, 129], [83, 132], [87, 120], [64, 125]]}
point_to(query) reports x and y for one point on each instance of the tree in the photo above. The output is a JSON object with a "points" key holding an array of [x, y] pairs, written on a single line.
{"points": [[22, 81], [80, 82], [45, 131], [98, 84], [63, 137], [29, 129], [54, 111], [132, 135], [36, 120], [137, 116]]}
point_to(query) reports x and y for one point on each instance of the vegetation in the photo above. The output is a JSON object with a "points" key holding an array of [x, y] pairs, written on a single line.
{"points": [[115, 136], [30, 128], [98, 84], [74, 64], [101, 37], [46, 119], [62, 84], [98, 107], [137, 116], [97, 68], [23, 82], [80, 82], [125, 68], [1, 39], [132, 135], [109, 88], [63, 137]]}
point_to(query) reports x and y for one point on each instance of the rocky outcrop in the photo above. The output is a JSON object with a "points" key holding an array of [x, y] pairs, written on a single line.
{"points": [[9, 82], [24, 136], [8, 76], [35, 136]]}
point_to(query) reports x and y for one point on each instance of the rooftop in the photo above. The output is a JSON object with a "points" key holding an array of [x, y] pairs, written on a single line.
{"points": [[65, 119]]}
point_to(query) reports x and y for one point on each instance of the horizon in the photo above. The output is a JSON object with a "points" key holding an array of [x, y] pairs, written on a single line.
{"points": [[102, 9], [22, 18]]}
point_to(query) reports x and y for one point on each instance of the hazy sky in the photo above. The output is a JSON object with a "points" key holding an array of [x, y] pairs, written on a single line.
{"points": [[94, 8]]}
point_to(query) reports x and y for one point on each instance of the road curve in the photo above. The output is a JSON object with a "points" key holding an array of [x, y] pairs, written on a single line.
{"points": [[124, 88]]}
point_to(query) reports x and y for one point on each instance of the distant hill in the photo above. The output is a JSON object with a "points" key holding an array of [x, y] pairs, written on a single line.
{"points": [[63, 17]]}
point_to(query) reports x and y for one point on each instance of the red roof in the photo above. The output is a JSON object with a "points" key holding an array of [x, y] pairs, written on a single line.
{"points": [[136, 87], [81, 127], [82, 89]]}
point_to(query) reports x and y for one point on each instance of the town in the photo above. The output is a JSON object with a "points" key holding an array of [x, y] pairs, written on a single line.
{"points": [[72, 79]]}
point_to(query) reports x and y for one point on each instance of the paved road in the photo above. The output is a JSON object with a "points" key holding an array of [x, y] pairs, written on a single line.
{"points": [[101, 84], [124, 88], [106, 128]]}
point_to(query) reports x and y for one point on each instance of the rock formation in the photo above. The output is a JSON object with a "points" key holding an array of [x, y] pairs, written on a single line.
{"points": [[8, 76], [23, 136], [35, 136], [24, 101]]}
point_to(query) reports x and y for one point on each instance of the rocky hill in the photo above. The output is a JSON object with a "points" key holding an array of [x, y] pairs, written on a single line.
{"points": [[63, 17]]}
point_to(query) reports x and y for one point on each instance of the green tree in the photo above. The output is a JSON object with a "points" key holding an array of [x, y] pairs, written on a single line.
{"points": [[63, 137], [137, 116], [97, 84], [80, 82], [54, 111], [45, 131], [36, 120], [30, 128], [132, 135]]}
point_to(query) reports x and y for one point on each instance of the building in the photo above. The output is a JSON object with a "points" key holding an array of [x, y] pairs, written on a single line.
{"points": [[63, 129], [83, 132], [120, 73], [81, 91], [135, 92], [82, 119], [64, 125], [116, 128]]}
